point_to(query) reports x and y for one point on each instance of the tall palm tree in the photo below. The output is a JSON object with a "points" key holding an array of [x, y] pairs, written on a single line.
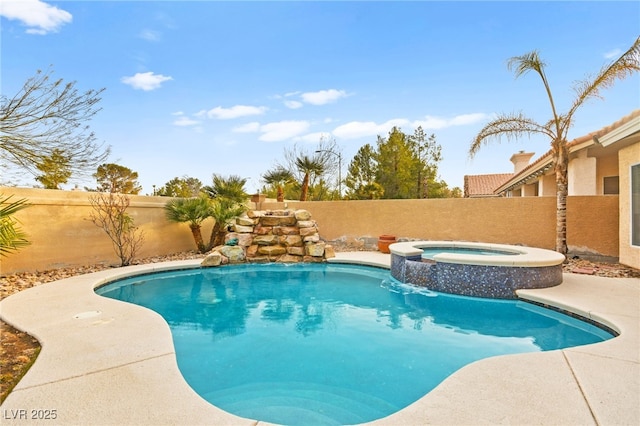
{"points": [[310, 167], [278, 177], [193, 211], [515, 125]]}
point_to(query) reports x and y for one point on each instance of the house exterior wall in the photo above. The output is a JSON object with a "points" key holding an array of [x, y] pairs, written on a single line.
{"points": [[548, 185], [530, 190], [582, 174], [61, 234], [629, 255], [607, 166]]}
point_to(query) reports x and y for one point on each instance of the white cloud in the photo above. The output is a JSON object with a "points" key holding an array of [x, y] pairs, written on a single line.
{"points": [[235, 112], [40, 18], [252, 127], [149, 35], [613, 54], [145, 80], [293, 104], [359, 129], [184, 121], [312, 137], [282, 130], [434, 123], [323, 96]]}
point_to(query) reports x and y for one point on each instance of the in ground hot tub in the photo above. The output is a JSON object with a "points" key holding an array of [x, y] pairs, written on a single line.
{"points": [[475, 269]]}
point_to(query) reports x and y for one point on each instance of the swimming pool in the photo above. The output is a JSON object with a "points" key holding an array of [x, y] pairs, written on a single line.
{"points": [[331, 344]]}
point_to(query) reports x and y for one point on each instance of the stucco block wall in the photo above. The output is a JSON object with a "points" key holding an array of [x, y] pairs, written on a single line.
{"points": [[61, 233], [627, 157], [592, 221]]}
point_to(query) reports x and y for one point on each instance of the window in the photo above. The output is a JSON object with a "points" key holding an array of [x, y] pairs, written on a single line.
{"points": [[611, 185], [635, 205]]}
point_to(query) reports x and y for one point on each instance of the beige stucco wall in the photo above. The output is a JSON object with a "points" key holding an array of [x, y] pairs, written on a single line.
{"points": [[607, 166], [548, 185], [592, 221], [629, 255], [582, 174], [61, 234]]}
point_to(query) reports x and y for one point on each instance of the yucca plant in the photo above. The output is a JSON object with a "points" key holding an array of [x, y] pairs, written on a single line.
{"points": [[12, 237]]}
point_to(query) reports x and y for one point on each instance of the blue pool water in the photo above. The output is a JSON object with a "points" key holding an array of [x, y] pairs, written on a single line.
{"points": [[313, 344], [429, 252]]}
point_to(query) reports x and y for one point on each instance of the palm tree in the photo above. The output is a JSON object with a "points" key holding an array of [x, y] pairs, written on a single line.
{"points": [[224, 211], [309, 166], [194, 211], [228, 196], [278, 177], [231, 188], [12, 237], [515, 125]]}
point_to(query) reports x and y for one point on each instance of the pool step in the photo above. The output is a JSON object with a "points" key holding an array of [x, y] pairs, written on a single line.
{"points": [[300, 403]]}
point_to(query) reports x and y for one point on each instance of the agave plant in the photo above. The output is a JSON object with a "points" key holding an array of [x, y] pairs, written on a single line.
{"points": [[12, 238]]}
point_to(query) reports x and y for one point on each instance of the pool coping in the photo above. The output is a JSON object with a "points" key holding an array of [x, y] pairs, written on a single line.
{"points": [[525, 256], [107, 362]]}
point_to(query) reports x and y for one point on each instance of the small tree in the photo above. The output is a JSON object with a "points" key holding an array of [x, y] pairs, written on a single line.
{"points": [[12, 237], [193, 211], [55, 170], [110, 214], [228, 197], [278, 177], [310, 167], [185, 187], [361, 176], [46, 116], [116, 178]]}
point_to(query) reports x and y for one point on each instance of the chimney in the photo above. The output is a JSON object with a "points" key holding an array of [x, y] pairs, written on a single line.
{"points": [[520, 160]]}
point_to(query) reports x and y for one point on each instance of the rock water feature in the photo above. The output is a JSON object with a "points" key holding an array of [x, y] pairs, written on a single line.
{"points": [[262, 236]]}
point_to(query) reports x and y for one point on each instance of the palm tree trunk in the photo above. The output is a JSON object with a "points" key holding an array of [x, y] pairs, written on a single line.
{"points": [[562, 190], [214, 233], [197, 237], [280, 195], [305, 187]]}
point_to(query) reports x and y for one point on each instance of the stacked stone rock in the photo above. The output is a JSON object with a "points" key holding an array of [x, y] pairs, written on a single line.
{"points": [[272, 236]]}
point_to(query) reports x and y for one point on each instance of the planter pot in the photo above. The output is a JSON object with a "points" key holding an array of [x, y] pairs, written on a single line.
{"points": [[384, 241]]}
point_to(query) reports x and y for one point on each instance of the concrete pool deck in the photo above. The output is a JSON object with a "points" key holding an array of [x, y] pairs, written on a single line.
{"points": [[104, 362]]}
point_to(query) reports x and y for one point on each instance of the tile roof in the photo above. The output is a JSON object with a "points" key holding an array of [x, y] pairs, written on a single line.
{"points": [[484, 185]]}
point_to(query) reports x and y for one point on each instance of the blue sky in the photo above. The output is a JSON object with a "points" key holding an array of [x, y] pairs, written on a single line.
{"points": [[201, 87]]}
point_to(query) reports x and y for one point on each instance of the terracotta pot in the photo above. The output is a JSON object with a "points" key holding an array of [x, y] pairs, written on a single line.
{"points": [[384, 241]]}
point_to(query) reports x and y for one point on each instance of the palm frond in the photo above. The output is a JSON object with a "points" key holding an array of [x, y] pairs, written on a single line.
{"points": [[191, 210], [521, 65], [510, 127], [12, 237], [626, 65]]}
